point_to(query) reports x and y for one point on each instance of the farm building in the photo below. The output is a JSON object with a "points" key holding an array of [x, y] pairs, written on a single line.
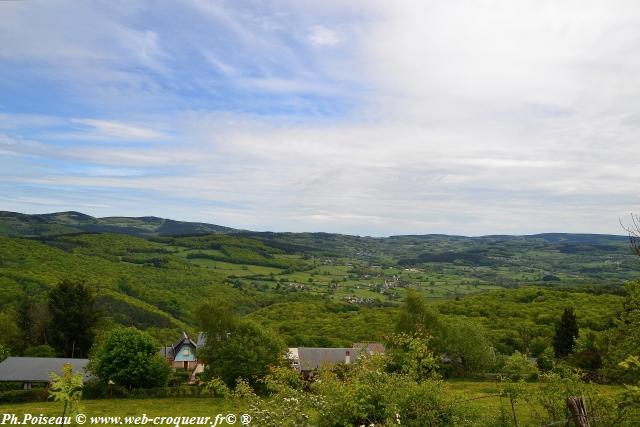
{"points": [[30, 370]]}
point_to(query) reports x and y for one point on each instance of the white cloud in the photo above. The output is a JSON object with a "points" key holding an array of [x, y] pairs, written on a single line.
{"points": [[462, 117], [120, 130], [322, 36]]}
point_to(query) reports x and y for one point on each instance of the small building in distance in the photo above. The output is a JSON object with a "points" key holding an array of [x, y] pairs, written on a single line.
{"points": [[308, 359], [30, 370]]}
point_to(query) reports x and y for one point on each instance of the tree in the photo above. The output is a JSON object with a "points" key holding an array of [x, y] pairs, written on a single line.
{"points": [[417, 317], [40, 351], [633, 231], [622, 340], [129, 357], [410, 355], [566, 333], [518, 366], [464, 344], [68, 390], [9, 331], [237, 349], [73, 318], [33, 319], [4, 352], [216, 320]]}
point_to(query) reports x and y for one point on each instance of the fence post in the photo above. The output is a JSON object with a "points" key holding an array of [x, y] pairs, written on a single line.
{"points": [[513, 410], [578, 411]]}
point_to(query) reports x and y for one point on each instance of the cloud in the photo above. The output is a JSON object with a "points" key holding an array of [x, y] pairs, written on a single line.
{"points": [[119, 130], [323, 36], [371, 118]]}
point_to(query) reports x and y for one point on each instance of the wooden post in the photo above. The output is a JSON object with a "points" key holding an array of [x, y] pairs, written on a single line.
{"points": [[578, 411]]}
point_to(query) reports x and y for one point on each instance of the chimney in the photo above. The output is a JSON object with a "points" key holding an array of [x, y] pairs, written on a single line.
{"points": [[347, 357]]}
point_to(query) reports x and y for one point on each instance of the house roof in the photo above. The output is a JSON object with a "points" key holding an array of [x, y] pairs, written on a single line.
{"points": [[171, 351], [371, 347], [184, 339], [37, 369], [310, 358]]}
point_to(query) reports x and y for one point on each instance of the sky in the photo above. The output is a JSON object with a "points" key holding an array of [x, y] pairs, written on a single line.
{"points": [[360, 117]]}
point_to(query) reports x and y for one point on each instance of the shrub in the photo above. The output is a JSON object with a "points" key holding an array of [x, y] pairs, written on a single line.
{"points": [[217, 388], [518, 365], [22, 396], [178, 378], [40, 351]]}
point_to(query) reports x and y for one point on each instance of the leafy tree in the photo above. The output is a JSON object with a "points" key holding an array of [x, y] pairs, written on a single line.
{"points": [[73, 318], [67, 389], [631, 395], [416, 316], [518, 365], [410, 355], [237, 349], [10, 335], [460, 342], [129, 357], [216, 320], [4, 352], [566, 333], [464, 345], [33, 319], [546, 360], [622, 340], [40, 351]]}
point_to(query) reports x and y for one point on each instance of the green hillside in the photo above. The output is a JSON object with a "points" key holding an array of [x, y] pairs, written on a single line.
{"points": [[17, 224], [314, 288]]}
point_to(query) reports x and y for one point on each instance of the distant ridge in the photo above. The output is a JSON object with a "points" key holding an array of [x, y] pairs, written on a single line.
{"points": [[52, 224]]}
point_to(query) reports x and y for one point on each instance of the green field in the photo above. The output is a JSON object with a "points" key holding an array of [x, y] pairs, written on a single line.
{"points": [[479, 398]]}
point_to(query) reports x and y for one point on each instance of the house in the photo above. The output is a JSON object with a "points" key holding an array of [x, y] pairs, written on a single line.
{"points": [[308, 359], [29, 370], [181, 354]]}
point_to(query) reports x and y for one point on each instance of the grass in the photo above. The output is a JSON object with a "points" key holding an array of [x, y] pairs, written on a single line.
{"points": [[478, 397]]}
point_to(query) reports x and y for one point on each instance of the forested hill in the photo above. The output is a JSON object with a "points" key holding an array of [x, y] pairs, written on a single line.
{"points": [[153, 273], [18, 224]]}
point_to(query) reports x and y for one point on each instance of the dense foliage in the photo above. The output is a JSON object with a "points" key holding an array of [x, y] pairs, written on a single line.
{"points": [[567, 331], [73, 313], [130, 358], [237, 349]]}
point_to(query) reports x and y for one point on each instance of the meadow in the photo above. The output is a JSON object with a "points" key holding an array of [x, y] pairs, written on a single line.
{"points": [[481, 399]]}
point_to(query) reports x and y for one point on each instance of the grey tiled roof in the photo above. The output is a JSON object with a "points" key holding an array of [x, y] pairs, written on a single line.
{"points": [[311, 358], [37, 369]]}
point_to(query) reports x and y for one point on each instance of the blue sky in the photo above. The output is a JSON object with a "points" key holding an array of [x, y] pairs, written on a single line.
{"points": [[363, 117]]}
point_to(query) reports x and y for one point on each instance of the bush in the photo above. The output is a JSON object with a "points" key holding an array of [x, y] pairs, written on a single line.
{"points": [[23, 396], [518, 365], [546, 361], [40, 351], [10, 385], [217, 388], [96, 389], [100, 390], [179, 378]]}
